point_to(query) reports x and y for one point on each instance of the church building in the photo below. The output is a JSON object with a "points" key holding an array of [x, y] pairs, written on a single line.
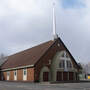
{"points": [[48, 62]]}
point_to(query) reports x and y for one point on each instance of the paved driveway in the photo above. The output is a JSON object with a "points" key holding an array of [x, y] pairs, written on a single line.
{"points": [[46, 86]]}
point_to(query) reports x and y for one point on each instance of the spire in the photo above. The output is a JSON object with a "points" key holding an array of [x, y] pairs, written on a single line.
{"points": [[55, 36]]}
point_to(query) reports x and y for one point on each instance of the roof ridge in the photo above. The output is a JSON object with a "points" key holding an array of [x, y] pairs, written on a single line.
{"points": [[46, 51], [26, 55], [31, 48]]}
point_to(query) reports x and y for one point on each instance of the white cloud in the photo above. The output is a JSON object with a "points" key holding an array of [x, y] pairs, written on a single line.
{"points": [[24, 23]]}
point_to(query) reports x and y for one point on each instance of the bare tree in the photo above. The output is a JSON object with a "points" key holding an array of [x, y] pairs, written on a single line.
{"points": [[85, 69], [3, 58]]}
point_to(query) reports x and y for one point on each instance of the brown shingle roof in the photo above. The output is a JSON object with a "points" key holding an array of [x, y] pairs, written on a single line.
{"points": [[27, 57]]}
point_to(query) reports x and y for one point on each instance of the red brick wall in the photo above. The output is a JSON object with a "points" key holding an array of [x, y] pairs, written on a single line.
{"points": [[30, 75], [20, 75], [11, 75], [5, 75]]}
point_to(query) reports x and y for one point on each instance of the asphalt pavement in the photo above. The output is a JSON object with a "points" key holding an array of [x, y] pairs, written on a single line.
{"points": [[43, 86]]}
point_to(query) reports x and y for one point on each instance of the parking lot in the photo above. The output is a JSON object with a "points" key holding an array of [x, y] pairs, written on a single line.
{"points": [[43, 86]]}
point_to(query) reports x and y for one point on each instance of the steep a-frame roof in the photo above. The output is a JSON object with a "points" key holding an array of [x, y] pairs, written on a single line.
{"points": [[70, 54], [27, 57], [31, 56]]}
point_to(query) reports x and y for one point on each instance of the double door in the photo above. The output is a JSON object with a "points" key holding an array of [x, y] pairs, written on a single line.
{"points": [[65, 76]]}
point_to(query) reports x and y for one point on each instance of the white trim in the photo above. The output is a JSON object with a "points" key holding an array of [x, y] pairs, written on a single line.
{"points": [[15, 76], [17, 68], [64, 58], [25, 76], [8, 75]]}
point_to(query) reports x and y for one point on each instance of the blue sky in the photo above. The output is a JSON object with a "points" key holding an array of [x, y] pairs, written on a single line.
{"points": [[72, 4]]}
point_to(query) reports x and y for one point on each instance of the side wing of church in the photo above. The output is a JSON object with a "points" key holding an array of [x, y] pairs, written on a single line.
{"points": [[47, 62]]}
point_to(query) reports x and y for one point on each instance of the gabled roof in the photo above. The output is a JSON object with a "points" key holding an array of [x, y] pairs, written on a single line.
{"points": [[70, 54], [27, 57], [31, 56]]}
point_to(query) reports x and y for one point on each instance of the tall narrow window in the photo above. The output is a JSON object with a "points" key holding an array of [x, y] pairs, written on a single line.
{"points": [[61, 64], [24, 71], [15, 73], [66, 63], [62, 55], [69, 65]]}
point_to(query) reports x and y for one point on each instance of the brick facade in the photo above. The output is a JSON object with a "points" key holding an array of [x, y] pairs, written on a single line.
{"points": [[33, 73], [30, 75]]}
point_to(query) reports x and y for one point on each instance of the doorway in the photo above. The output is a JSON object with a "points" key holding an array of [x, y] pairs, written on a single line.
{"points": [[59, 76], [71, 76], [65, 76], [45, 76]]}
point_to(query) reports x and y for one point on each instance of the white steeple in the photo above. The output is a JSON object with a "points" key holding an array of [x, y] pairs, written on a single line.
{"points": [[55, 36]]}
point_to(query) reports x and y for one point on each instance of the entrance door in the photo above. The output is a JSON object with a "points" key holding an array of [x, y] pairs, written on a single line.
{"points": [[24, 74], [59, 76], [45, 76], [8, 75], [65, 76], [15, 75], [71, 76]]}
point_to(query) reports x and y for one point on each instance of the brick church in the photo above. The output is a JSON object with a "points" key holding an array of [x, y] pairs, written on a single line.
{"points": [[48, 62]]}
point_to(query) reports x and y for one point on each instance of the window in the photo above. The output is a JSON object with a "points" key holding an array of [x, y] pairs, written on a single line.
{"points": [[61, 64], [62, 55], [8, 73], [65, 61], [24, 71], [67, 55], [15, 73], [69, 65]]}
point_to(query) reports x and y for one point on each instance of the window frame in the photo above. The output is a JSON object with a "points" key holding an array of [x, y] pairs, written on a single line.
{"points": [[15, 75], [15, 72], [62, 64], [8, 75], [66, 58], [25, 74], [69, 64]]}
